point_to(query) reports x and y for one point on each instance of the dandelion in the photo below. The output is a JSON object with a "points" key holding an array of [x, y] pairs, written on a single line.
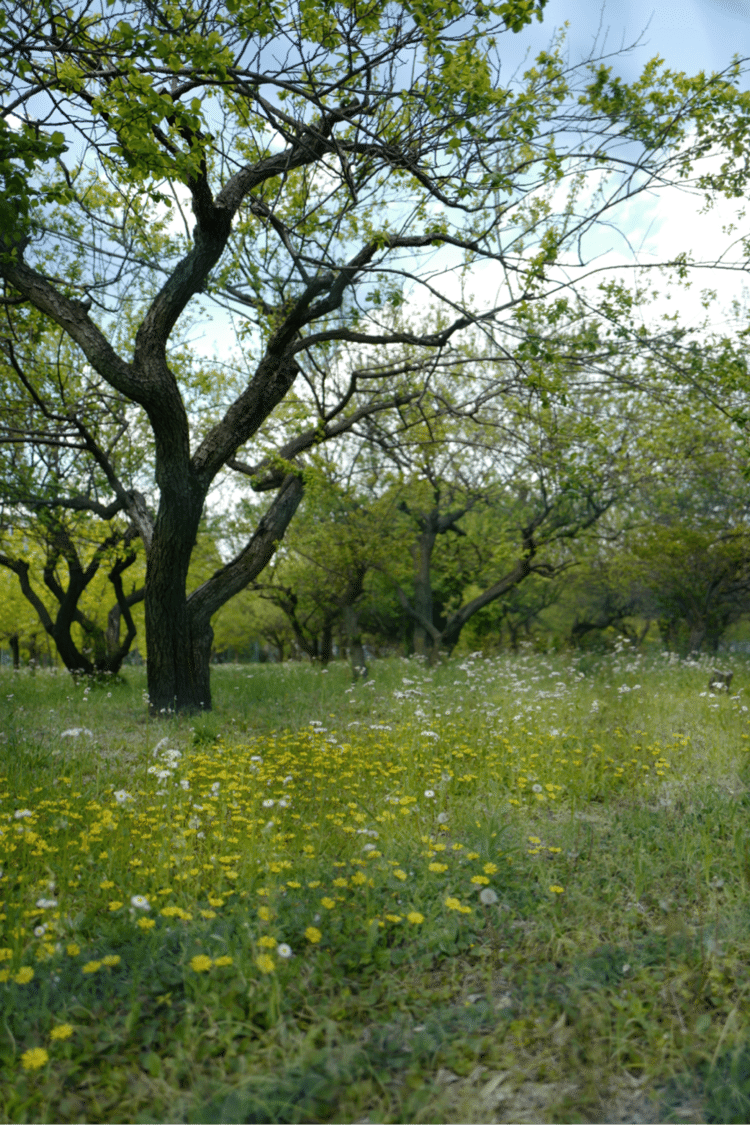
{"points": [[122, 796], [437, 867], [24, 975], [487, 896], [34, 1059], [313, 934], [6, 954], [72, 949], [454, 904], [268, 803], [62, 1031], [146, 923], [91, 967], [140, 902], [267, 942], [328, 903], [201, 963], [283, 950], [480, 880], [415, 917], [222, 961], [556, 889], [115, 905], [442, 818], [265, 963], [112, 959], [393, 917], [429, 793], [399, 874]]}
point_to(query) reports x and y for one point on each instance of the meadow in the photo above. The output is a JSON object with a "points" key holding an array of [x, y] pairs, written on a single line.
{"points": [[503, 889]]}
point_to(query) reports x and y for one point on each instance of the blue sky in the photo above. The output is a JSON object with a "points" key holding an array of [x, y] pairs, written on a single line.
{"points": [[691, 35]]}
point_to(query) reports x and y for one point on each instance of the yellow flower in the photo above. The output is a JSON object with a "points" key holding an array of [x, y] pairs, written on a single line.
{"points": [[556, 889], [489, 868], [340, 883], [313, 934], [437, 867], [24, 975], [207, 913], [62, 1031], [105, 886], [72, 949], [265, 963], [215, 901], [481, 880], [4, 975], [33, 1059], [201, 963], [223, 961], [264, 914], [91, 967], [414, 917], [328, 903], [111, 959], [399, 874], [267, 942], [6, 954], [358, 879], [115, 905], [146, 923], [454, 904], [393, 917]]}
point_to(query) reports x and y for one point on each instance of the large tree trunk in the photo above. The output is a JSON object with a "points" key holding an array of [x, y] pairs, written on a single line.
{"points": [[423, 642], [178, 628], [174, 683]]}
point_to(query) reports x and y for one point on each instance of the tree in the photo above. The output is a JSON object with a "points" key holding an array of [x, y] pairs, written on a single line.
{"points": [[523, 471], [327, 154]]}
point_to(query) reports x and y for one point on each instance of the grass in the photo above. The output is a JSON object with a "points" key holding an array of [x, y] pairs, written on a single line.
{"points": [[501, 889]]}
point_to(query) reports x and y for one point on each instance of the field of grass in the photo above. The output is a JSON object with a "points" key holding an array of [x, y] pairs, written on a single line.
{"points": [[510, 889]]}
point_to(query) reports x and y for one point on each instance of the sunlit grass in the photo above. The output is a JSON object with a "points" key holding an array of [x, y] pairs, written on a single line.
{"points": [[512, 845]]}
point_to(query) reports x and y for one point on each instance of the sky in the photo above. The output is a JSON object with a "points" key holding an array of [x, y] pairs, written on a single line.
{"points": [[691, 36]]}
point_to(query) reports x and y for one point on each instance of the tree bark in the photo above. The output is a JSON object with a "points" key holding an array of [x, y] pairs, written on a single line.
{"points": [[423, 641], [178, 628]]}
